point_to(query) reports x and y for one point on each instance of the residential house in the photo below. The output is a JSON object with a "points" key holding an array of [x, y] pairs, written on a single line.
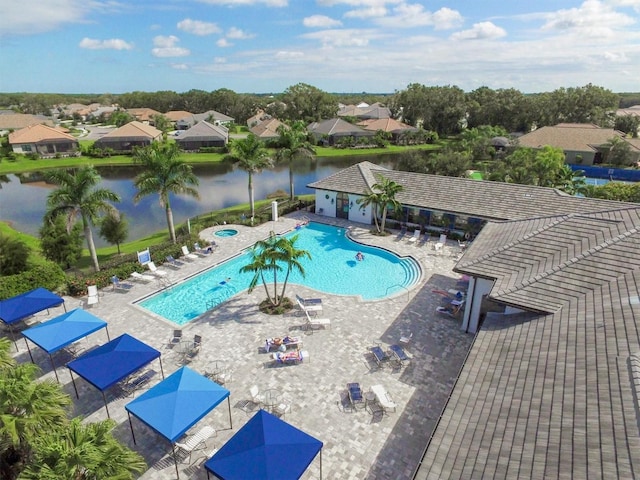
{"points": [[259, 117], [45, 141], [582, 144], [334, 130], [364, 111], [144, 115], [133, 134], [398, 130], [211, 116], [551, 384], [16, 121], [268, 129], [175, 115], [203, 134]]}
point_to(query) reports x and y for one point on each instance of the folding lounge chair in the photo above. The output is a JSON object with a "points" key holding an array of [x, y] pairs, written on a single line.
{"points": [[379, 355], [203, 252], [197, 441], [314, 323], [155, 270], [399, 354], [92, 291], [136, 383], [416, 235], [173, 262], [142, 277], [295, 357], [309, 301], [355, 394], [118, 285], [311, 308], [187, 254]]}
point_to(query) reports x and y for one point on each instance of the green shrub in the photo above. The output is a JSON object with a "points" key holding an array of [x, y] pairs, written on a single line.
{"points": [[48, 275]]}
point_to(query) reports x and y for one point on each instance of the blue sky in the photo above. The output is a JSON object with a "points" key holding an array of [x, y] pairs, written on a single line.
{"points": [[265, 46]]}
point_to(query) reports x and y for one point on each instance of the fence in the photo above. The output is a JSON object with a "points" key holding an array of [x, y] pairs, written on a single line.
{"points": [[623, 175]]}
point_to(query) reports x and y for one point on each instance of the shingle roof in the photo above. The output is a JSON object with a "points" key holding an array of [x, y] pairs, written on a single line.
{"points": [[133, 129], [571, 137], [39, 133], [143, 114], [386, 124], [335, 126], [15, 121], [204, 131], [267, 128], [481, 199], [550, 395], [175, 115]]}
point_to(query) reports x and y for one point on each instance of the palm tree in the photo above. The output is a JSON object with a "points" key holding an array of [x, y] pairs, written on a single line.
{"points": [[164, 173], [83, 452], [76, 196], [270, 256], [293, 144], [382, 195], [250, 155]]}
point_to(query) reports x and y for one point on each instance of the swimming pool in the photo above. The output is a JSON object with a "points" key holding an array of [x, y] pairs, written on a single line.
{"points": [[227, 232], [332, 269]]}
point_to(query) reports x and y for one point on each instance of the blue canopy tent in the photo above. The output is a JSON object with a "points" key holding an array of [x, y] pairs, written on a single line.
{"points": [[266, 448], [17, 308], [176, 404], [106, 365], [63, 330]]}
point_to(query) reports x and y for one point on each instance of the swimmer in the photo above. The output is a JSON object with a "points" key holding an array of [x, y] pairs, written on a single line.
{"points": [[225, 281], [359, 256]]}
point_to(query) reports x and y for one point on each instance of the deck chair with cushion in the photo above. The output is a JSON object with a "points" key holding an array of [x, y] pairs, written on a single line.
{"points": [[379, 355], [277, 343], [203, 252], [309, 301], [142, 277], [118, 285], [294, 357], [312, 308], [355, 394], [187, 254], [155, 270], [399, 354]]}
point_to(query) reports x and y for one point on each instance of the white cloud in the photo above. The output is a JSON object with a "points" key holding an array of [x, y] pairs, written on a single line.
{"points": [[282, 55], [414, 15], [111, 44], [369, 12], [615, 57], [197, 27], [344, 38], [593, 17], [166, 47], [635, 4], [237, 3], [238, 34], [224, 43], [179, 66], [480, 31], [320, 21]]}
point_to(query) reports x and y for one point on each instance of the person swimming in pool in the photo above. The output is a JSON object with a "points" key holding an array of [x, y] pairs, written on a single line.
{"points": [[225, 281], [359, 256]]}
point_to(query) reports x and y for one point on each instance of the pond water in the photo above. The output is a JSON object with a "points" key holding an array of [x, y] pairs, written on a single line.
{"points": [[23, 197]]}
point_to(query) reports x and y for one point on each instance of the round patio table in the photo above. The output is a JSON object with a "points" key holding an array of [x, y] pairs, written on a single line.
{"points": [[271, 398]]}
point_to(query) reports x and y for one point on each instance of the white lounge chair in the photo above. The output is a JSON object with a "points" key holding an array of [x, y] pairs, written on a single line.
{"points": [[142, 277], [309, 308], [197, 441], [416, 236], [155, 270], [187, 254], [383, 398], [316, 323], [92, 290]]}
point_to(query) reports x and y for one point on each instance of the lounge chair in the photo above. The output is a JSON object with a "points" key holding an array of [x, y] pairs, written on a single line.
{"points": [[355, 394], [416, 235], [311, 308], [203, 252], [142, 277], [92, 291], [173, 262], [379, 355], [277, 343], [137, 382], [452, 308], [187, 254], [197, 441], [155, 270], [399, 354], [383, 398], [295, 357], [118, 285], [308, 301], [405, 339], [315, 323]]}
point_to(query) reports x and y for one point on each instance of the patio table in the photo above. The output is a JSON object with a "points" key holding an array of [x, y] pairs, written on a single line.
{"points": [[271, 398]]}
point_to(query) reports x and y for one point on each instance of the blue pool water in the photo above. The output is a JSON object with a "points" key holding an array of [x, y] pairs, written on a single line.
{"points": [[227, 232], [332, 269]]}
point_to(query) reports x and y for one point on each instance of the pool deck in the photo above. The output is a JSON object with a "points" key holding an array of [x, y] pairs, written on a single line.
{"points": [[358, 444]]}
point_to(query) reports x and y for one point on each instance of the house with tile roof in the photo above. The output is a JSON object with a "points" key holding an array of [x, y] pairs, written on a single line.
{"points": [[582, 144], [16, 121], [365, 111], [133, 134], [45, 141], [175, 115], [551, 384], [334, 130], [203, 134], [268, 129], [210, 116], [144, 115]]}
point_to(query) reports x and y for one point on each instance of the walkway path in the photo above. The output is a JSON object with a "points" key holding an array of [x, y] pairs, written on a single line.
{"points": [[357, 444]]}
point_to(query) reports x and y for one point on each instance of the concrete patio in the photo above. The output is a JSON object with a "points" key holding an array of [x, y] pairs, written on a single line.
{"points": [[358, 444]]}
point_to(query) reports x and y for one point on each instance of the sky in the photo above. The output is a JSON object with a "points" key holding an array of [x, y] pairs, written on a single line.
{"points": [[347, 46]]}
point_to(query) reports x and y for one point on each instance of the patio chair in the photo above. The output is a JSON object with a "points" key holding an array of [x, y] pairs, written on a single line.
{"points": [[92, 291], [317, 323], [355, 394], [142, 277], [282, 408], [118, 285], [379, 355], [155, 270], [399, 354], [257, 398], [173, 262], [452, 308], [383, 398], [311, 308], [197, 341], [405, 339], [177, 338], [195, 442], [309, 301], [203, 252], [416, 235], [137, 382], [187, 254]]}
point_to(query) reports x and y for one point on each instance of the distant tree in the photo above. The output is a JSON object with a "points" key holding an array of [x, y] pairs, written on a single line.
{"points": [[308, 103], [293, 144], [76, 196], [448, 162], [120, 118], [250, 155], [629, 124], [59, 244], [506, 108], [13, 255], [623, 192], [114, 228], [164, 173], [619, 152], [162, 123]]}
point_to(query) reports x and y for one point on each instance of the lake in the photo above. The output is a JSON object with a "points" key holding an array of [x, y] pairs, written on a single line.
{"points": [[23, 198]]}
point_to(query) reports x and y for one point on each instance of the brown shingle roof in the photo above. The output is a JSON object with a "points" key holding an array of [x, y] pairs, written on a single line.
{"points": [[143, 114], [569, 137], [175, 115], [16, 121], [38, 133], [134, 129]]}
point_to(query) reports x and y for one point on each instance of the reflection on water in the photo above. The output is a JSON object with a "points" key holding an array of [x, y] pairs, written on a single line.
{"points": [[23, 198]]}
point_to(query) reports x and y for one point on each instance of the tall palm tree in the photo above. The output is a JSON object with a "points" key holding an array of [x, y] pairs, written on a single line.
{"points": [[76, 196], [250, 155], [293, 144], [271, 256], [83, 452], [382, 196], [164, 173]]}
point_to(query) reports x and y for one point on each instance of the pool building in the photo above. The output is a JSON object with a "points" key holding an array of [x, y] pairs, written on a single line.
{"points": [[551, 385]]}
